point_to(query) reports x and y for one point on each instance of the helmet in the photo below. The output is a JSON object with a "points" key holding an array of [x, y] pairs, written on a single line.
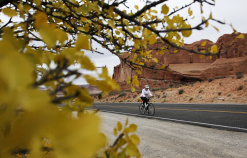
{"points": [[146, 86]]}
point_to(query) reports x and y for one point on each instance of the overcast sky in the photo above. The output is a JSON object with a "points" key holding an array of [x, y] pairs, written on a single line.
{"points": [[229, 11]]}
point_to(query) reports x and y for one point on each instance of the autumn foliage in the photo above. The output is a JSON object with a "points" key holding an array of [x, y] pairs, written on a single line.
{"points": [[39, 42]]}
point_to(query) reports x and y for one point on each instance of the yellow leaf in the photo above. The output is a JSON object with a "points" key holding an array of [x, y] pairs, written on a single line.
{"points": [[201, 56], [83, 19], [156, 60], [135, 81], [104, 73], [127, 121], [216, 28], [152, 39], [175, 51], [162, 67], [214, 49], [120, 41], [9, 12], [234, 30], [211, 16], [132, 150], [61, 35], [86, 63], [133, 89], [201, 9], [128, 80], [241, 36], [48, 35], [146, 32], [135, 139], [119, 126], [204, 43], [91, 80], [58, 14], [117, 32], [186, 33], [115, 131], [41, 19], [132, 128], [111, 23], [37, 2], [82, 42], [136, 6], [141, 63], [137, 43], [154, 11], [190, 12], [210, 57], [165, 9]]}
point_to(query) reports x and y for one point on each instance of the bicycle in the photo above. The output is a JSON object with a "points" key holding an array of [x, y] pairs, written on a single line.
{"points": [[150, 108]]}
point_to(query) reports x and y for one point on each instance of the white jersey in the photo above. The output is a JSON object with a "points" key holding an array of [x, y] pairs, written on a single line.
{"points": [[145, 93]]}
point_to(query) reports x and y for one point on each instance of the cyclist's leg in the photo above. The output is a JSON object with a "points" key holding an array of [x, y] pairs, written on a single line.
{"points": [[143, 98], [145, 102]]}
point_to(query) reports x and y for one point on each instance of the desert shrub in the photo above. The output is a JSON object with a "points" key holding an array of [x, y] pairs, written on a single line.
{"points": [[122, 94], [200, 91], [222, 76], [164, 95], [139, 100], [228, 95], [240, 87], [100, 96], [170, 85], [113, 93], [134, 96], [220, 83], [191, 98], [239, 75], [178, 85], [210, 79], [219, 93], [158, 96], [164, 100], [180, 91], [155, 89]]}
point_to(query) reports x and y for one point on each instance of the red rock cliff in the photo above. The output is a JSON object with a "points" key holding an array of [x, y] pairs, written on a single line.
{"points": [[220, 65]]}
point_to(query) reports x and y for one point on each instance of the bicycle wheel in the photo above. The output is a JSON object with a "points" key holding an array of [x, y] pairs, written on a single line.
{"points": [[151, 109], [141, 109]]}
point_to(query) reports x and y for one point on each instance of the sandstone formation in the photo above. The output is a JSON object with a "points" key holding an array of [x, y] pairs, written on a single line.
{"points": [[185, 66]]}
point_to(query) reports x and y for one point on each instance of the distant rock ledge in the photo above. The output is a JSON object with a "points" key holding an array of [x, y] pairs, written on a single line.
{"points": [[184, 66]]}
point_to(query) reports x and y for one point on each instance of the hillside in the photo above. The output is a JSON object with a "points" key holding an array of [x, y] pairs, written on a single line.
{"points": [[226, 89]]}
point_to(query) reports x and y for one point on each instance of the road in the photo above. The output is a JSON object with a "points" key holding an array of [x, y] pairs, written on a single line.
{"points": [[223, 116], [166, 139]]}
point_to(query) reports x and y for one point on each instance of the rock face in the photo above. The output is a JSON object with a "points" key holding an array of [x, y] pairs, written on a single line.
{"points": [[185, 66]]}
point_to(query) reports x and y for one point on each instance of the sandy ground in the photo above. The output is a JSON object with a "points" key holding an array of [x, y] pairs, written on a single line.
{"points": [[224, 90], [162, 139]]}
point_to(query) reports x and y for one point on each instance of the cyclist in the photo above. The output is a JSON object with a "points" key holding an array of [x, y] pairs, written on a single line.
{"points": [[145, 93]]}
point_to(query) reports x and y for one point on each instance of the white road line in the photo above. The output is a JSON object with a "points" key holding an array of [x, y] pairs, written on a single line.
{"points": [[183, 121]]}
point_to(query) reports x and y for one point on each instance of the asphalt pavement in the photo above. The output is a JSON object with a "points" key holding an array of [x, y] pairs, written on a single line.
{"points": [[221, 116]]}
